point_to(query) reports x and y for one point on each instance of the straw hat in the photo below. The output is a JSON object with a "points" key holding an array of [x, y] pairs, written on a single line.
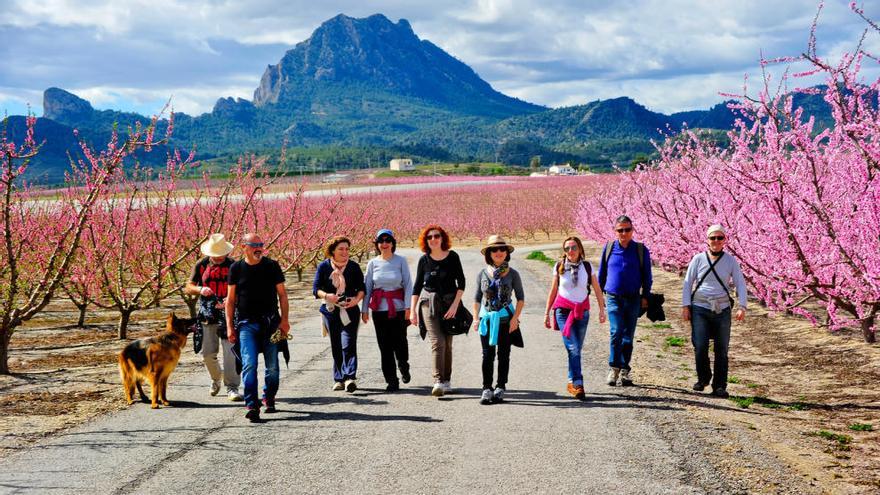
{"points": [[216, 245], [496, 241]]}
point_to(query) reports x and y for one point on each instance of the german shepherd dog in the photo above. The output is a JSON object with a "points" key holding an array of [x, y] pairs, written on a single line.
{"points": [[154, 359]]}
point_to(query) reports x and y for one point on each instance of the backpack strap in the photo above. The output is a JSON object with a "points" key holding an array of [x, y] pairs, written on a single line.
{"points": [[717, 277], [606, 254], [640, 248]]}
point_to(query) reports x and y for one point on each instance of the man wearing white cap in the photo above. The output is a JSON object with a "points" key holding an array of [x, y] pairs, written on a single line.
{"points": [[707, 304], [208, 281]]}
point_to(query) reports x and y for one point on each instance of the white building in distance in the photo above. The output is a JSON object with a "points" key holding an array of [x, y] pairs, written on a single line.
{"points": [[562, 170], [402, 164]]}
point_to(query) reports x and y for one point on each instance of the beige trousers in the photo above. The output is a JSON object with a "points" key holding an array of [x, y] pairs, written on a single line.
{"points": [[211, 343], [441, 342]]}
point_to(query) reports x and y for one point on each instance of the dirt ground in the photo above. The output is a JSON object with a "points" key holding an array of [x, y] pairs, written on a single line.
{"points": [[799, 390]]}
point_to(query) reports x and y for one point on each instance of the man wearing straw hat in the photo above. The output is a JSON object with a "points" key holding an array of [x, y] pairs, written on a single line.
{"points": [[208, 281]]}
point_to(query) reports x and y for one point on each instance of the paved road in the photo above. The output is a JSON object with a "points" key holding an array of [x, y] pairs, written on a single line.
{"points": [[539, 441]]}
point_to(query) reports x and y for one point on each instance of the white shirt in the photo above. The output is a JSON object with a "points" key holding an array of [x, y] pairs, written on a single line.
{"points": [[568, 290]]}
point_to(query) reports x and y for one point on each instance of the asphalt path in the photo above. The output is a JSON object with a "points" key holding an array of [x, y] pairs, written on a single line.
{"points": [[539, 441]]}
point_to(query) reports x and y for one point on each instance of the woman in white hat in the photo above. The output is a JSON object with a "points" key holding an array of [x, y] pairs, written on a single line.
{"points": [[497, 283], [388, 289], [706, 303], [208, 281]]}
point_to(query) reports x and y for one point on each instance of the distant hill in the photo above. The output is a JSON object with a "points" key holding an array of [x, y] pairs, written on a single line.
{"points": [[360, 90]]}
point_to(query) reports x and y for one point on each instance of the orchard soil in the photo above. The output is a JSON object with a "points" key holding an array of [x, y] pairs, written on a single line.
{"points": [[789, 382]]}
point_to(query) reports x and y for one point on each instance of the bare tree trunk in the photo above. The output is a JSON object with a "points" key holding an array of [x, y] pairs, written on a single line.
{"points": [[122, 329], [4, 350], [81, 322], [867, 332]]}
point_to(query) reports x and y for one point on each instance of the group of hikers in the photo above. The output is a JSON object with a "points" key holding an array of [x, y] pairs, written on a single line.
{"points": [[244, 309]]}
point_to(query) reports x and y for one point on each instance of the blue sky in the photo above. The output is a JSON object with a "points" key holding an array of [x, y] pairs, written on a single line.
{"points": [[668, 55]]}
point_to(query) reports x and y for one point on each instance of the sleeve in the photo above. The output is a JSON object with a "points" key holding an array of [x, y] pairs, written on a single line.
{"points": [[355, 277], [368, 287], [196, 276], [518, 287], [458, 272], [689, 280], [319, 276], [647, 277], [407, 282], [740, 280], [420, 277], [232, 278], [277, 273], [478, 290]]}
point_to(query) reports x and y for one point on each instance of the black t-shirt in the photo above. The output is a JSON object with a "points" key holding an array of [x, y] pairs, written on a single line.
{"points": [[255, 293], [443, 277], [206, 274]]}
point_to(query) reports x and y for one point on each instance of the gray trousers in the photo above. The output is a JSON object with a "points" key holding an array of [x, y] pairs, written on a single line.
{"points": [[211, 344]]}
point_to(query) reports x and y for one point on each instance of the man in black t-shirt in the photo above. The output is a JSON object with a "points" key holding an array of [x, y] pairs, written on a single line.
{"points": [[208, 281], [254, 294]]}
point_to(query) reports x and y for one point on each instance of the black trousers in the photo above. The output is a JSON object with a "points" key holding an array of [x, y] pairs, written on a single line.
{"points": [[393, 347], [503, 352]]}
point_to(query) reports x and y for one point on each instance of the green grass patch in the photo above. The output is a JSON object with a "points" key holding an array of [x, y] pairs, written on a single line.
{"points": [[861, 427], [742, 401], [733, 379], [661, 325], [841, 439], [674, 341], [752, 385], [540, 256]]}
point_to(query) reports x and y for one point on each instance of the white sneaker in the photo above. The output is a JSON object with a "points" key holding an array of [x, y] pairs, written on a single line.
{"points": [[437, 391], [498, 395], [338, 386], [233, 395], [486, 397], [350, 386], [215, 388], [612, 376], [447, 387]]}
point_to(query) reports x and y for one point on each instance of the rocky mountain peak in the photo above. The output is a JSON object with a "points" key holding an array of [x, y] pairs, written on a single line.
{"points": [[62, 106]]}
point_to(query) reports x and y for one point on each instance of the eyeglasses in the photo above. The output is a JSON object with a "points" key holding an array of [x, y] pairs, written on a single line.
{"points": [[254, 244], [384, 240], [716, 238], [624, 230], [570, 248], [496, 249], [431, 237]]}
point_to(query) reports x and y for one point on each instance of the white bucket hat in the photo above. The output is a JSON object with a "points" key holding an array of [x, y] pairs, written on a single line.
{"points": [[715, 228], [216, 245]]}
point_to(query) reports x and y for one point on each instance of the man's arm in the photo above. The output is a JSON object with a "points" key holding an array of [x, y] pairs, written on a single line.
{"points": [[285, 306], [230, 313]]}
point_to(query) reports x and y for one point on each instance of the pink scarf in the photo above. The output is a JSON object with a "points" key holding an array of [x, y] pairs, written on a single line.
{"points": [[577, 312], [337, 278]]}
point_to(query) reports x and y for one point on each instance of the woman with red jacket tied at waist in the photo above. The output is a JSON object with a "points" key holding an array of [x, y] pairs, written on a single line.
{"points": [[568, 307], [388, 288]]}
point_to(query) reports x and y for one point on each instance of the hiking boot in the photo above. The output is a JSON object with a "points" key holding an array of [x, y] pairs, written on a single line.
{"points": [[233, 395], [270, 405], [579, 393], [625, 380], [437, 391], [612, 376], [350, 386], [253, 415], [498, 395], [572, 390], [486, 397], [338, 386], [720, 393], [215, 388], [405, 376], [699, 386], [392, 387]]}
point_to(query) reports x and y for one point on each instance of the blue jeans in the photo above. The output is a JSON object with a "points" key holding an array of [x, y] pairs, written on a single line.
{"points": [[573, 343], [254, 339], [623, 313], [343, 346], [705, 325]]}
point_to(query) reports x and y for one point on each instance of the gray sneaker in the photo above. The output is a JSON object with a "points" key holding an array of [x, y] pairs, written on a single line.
{"points": [[486, 398], [625, 379], [498, 395], [233, 395], [612, 376]]}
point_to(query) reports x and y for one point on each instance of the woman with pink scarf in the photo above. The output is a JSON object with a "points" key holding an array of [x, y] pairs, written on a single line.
{"points": [[569, 302], [339, 282]]}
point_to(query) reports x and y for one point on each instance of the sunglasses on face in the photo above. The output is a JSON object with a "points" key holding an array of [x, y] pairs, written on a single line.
{"points": [[254, 244], [570, 248], [384, 240], [431, 237], [624, 230], [496, 249], [716, 238]]}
